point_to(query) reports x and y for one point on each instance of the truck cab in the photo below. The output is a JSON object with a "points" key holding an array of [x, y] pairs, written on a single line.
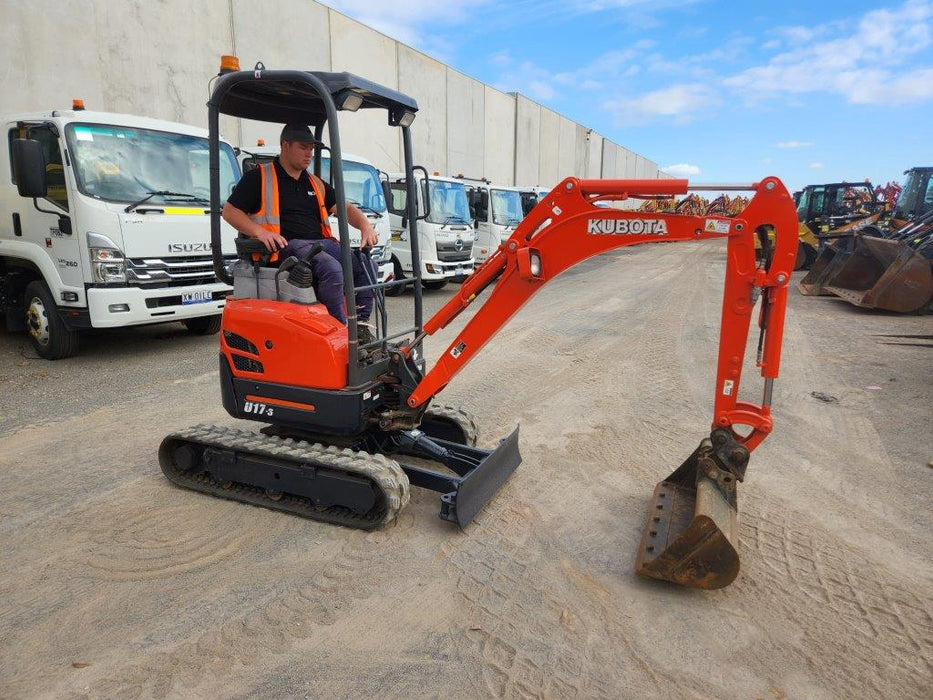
{"points": [[445, 229], [364, 191], [496, 212], [105, 224]]}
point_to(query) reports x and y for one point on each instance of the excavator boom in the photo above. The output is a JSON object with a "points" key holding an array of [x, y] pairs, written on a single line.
{"points": [[690, 536], [566, 228]]}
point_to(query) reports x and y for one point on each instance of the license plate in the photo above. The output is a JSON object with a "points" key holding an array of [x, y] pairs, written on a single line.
{"points": [[196, 297]]}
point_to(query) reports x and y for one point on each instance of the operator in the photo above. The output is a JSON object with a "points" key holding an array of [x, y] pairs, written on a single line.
{"points": [[284, 206]]}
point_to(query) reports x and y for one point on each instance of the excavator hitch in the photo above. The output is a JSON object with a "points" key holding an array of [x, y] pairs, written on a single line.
{"points": [[691, 533]]}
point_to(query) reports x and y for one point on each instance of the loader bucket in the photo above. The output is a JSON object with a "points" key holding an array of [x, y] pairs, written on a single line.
{"points": [[824, 267], [691, 533], [884, 274]]}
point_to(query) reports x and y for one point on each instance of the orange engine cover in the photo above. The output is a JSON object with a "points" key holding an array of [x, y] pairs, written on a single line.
{"points": [[293, 344]]}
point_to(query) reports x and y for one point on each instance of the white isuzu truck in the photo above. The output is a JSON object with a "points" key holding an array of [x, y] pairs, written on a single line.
{"points": [[363, 190], [496, 211], [105, 224], [445, 230]]}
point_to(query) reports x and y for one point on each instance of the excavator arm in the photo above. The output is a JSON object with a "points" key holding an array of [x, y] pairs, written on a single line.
{"points": [[691, 532], [567, 228]]}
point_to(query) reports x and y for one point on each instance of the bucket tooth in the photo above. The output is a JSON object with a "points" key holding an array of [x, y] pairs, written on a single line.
{"points": [[691, 532]]}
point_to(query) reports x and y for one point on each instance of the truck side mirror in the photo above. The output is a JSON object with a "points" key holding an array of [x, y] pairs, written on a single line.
{"points": [[387, 193], [29, 168]]}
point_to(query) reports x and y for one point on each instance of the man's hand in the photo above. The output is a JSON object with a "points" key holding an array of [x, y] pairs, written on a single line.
{"points": [[240, 220], [369, 237], [359, 220], [272, 241]]}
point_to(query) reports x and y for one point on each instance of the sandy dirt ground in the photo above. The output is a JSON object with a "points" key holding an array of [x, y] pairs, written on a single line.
{"points": [[115, 584]]}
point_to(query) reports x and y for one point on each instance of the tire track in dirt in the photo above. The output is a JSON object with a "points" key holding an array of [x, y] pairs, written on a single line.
{"points": [[296, 612]]}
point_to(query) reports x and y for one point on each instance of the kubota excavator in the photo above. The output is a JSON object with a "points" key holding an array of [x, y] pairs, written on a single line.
{"points": [[344, 421]]}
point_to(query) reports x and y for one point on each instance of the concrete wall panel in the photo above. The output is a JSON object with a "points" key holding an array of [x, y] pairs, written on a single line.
{"points": [[425, 80], [37, 78], [607, 169], [466, 125], [527, 142], [500, 137], [356, 48], [567, 149], [549, 170], [253, 32], [594, 155]]}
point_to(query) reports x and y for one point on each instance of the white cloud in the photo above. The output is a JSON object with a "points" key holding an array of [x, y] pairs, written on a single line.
{"points": [[766, 161], [793, 144], [681, 169], [679, 103], [868, 65], [541, 90], [412, 22], [816, 166]]}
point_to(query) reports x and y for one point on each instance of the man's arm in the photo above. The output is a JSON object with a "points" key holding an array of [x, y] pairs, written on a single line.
{"points": [[240, 220], [358, 219]]}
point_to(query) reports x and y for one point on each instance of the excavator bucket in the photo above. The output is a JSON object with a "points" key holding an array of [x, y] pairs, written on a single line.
{"points": [[887, 274], [691, 533]]}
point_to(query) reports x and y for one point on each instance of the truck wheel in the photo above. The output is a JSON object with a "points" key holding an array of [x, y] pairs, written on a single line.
{"points": [[399, 275], [433, 284], [203, 325], [51, 338]]}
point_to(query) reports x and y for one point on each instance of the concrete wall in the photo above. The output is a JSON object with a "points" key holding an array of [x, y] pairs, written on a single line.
{"points": [[499, 149], [527, 141], [157, 59], [426, 80]]}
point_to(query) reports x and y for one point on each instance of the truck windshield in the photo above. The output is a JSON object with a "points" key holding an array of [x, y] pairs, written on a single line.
{"points": [[918, 190], [448, 203], [125, 164], [361, 184], [506, 207]]}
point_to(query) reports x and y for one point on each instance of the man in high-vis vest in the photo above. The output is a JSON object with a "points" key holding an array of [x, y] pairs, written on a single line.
{"points": [[284, 206]]}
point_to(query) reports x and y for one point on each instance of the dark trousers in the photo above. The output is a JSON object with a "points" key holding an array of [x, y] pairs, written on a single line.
{"points": [[328, 276]]}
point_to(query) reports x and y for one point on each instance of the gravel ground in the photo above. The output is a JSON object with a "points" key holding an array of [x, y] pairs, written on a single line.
{"points": [[113, 583]]}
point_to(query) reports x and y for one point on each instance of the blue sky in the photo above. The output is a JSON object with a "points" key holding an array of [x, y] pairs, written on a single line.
{"points": [[713, 91]]}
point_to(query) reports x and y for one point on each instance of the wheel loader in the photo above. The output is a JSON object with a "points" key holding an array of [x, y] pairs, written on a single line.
{"points": [[349, 427], [883, 264]]}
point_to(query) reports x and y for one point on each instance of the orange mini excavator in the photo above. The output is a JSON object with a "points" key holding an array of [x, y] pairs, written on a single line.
{"points": [[350, 426]]}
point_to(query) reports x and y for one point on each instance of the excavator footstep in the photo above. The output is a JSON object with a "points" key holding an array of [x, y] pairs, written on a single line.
{"points": [[691, 532]]}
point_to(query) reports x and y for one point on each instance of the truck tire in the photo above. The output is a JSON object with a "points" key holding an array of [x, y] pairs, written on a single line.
{"points": [[434, 284], [50, 337], [399, 275], [203, 325]]}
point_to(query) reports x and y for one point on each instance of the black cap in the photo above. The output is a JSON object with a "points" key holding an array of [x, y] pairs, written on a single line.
{"points": [[297, 132]]}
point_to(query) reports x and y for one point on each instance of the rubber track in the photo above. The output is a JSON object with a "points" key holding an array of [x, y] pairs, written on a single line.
{"points": [[466, 421], [385, 473]]}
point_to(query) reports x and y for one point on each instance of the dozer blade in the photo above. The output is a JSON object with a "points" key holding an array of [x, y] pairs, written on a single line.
{"points": [[884, 274], [691, 533], [825, 266]]}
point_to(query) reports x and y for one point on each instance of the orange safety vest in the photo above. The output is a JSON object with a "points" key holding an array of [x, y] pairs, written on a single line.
{"points": [[268, 214]]}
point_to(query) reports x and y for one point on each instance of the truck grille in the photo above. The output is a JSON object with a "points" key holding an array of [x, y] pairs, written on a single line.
{"points": [[181, 271], [447, 252]]}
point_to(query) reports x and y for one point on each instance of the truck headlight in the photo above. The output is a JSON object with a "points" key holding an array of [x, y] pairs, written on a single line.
{"points": [[108, 265]]}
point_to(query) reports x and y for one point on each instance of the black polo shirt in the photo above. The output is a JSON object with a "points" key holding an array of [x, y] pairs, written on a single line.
{"points": [[299, 213]]}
